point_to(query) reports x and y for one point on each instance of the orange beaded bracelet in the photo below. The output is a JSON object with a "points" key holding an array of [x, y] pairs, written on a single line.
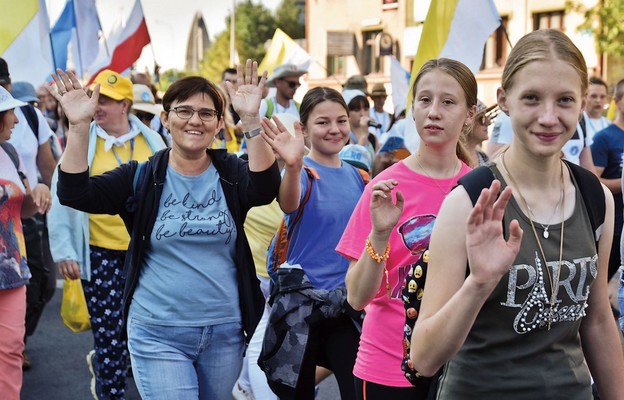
{"points": [[376, 256]]}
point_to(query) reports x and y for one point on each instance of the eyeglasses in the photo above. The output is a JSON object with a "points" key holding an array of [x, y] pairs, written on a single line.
{"points": [[205, 114], [292, 84]]}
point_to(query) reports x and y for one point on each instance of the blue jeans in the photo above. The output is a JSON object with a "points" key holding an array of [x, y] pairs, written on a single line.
{"points": [[621, 298], [172, 362]]}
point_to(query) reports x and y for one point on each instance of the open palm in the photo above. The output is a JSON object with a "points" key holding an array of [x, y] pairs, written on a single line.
{"points": [[76, 103], [289, 147], [246, 99], [385, 213]]}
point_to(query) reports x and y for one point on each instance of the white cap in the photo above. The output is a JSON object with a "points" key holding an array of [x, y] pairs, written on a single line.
{"points": [[7, 102], [351, 94]]}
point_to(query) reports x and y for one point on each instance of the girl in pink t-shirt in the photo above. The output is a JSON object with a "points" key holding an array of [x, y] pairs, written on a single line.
{"points": [[381, 249]]}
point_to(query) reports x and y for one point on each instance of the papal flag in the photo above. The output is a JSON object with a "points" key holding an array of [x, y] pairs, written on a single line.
{"points": [[25, 40], [456, 29], [284, 50]]}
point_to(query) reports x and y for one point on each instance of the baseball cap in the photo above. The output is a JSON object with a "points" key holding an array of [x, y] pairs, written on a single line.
{"points": [[350, 94], [113, 85], [144, 100], [24, 91], [356, 155], [7, 102]]}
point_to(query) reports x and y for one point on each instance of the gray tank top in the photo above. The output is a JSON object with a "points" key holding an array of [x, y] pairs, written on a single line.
{"points": [[509, 352]]}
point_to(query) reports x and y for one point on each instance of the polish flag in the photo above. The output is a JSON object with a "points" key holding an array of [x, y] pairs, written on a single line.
{"points": [[124, 44]]}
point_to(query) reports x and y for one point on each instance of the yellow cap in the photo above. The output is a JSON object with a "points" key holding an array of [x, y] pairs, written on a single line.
{"points": [[113, 85]]}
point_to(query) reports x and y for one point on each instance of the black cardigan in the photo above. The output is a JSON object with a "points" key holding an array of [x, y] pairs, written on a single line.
{"points": [[113, 193]]}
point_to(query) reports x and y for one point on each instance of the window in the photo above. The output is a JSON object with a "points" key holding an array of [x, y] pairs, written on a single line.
{"points": [[496, 47], [372, 62], [549, 20], [336, 65]]}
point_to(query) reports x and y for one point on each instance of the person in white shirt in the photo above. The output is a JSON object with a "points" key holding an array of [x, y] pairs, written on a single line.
{"points": [[597, 96], [377, 113], [285, 79]]}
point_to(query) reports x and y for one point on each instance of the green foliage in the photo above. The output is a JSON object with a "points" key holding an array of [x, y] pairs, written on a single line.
{"points": [[254, 26], [216, 58], [606, 21], [170, 76], [287, 16]]}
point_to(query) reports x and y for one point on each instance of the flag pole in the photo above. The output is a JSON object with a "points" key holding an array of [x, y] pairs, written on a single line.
{"points": [[232, 36]]}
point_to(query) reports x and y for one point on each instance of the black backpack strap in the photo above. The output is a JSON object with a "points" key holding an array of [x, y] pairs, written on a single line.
{"points": [[32, 119], [475, 181], [592, 194], [584, 130], [12, 153]]}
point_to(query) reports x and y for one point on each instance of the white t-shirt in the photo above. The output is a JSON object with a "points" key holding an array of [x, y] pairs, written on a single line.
{"points": [[26, 143], [278, 108], [595, 125]]}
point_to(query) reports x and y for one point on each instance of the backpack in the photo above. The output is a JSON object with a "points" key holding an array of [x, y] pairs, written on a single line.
{"points": [[473, 182], [278, 248], [271, 107], [12, 153]]}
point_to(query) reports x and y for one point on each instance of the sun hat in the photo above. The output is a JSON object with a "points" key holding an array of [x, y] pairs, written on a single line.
{"points": [[24, 91], [7, 102], [113, 85], [284, 71], [356, 155], [356, 82], [144, 100], [351, 94], [379, 89]]}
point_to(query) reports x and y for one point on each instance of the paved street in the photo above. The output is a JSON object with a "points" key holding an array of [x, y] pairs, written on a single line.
{"points": [[60, 370]]}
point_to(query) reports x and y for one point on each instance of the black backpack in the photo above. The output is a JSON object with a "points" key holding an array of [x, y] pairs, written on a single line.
{"points": [[12, 153]]}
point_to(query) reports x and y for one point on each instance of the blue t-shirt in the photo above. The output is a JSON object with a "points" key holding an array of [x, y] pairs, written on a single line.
{"points": [[188, 276], [324, 219], [607, 149]]}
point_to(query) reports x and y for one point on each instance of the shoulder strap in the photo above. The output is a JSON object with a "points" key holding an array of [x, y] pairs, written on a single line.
{"points": [[583, 124], [139, 177], [270, 107], [312, 175], [592, 194], [365, 176], [12, 153], [31, 118], [475, 181]]}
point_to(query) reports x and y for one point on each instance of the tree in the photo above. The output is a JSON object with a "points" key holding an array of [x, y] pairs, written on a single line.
{"points": [[605, 21], [288, 16], [254, 26]]}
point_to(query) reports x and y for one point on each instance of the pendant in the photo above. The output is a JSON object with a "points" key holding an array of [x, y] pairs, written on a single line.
{"points": [[546, 234]]}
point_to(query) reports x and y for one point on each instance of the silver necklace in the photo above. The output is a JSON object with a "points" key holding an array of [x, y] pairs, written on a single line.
{"points": [[545, 227]]}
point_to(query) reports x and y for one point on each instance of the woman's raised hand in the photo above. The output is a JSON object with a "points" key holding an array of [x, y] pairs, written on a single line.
{"points": [[385, 213], [77, 105], [489, 255], [246, 99], [290, 148]]}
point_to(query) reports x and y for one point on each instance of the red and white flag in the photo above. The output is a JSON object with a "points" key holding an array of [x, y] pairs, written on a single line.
{"points": [[124, 44]]}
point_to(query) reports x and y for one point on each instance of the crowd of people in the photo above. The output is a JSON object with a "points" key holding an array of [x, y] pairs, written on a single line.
{"points": [[233, 242]]}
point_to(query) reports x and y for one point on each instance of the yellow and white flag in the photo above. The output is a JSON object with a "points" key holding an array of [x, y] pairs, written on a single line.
{"points": [[25, 40], [456, 29], [284, 50]]}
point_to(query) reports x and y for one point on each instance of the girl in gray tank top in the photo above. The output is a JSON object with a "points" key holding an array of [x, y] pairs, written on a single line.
{"points": [[536, 286]]}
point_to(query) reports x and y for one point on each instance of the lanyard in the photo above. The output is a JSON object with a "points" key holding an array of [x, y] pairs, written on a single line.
{"points": [[131, 152]]}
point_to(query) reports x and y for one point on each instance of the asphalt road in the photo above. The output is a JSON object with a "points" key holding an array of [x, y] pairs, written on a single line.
{"points": [[59, 369]]}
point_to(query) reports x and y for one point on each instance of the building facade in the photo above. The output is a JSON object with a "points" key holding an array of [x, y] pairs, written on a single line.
{"points": [[351, 37]]}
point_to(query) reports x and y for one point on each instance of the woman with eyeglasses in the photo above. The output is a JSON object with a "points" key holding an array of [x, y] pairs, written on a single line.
{"points": [[477, 132], [92, 246], [191, 300]]}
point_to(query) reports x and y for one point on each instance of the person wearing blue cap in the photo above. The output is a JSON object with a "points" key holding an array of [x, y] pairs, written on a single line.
{"points": [[16, 201]]}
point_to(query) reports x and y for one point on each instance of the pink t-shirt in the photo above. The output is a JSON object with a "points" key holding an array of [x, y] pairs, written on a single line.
{"points": [[381, 351]]}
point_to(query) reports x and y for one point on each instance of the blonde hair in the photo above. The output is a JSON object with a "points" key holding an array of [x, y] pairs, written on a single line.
{"points": [[468, 83], [544, 45]]}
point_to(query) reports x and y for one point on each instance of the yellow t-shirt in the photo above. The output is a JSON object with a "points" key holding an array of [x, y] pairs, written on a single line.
{"points": [[109, 231], [260, 226], [232, 146]]}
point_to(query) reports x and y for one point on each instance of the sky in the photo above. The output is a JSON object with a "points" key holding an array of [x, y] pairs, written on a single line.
{"points": [[168, 22]]}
